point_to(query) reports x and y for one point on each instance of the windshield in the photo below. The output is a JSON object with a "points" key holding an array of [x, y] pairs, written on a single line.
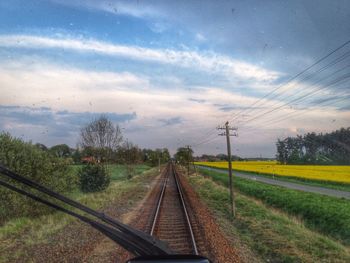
{"points": [[242, 108]]}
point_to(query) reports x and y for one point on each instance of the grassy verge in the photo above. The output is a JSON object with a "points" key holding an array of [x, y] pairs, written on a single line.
{"points": [[18, 235], [325, 214], [299, 180], [272, 235], [119, 171]]}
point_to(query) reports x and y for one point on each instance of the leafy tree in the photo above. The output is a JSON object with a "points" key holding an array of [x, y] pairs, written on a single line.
{"points": [[312, 148], [30, 161], [311, 144], [129, 153], [61, 150], [184, 155], [153, 156], [87, 151], [150, 157], [165, 155], [76, 155], [281, 151], [41, 146], [218, 157]]}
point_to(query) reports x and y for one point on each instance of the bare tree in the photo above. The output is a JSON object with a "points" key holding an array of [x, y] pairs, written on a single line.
{"points": [[102, 136]]}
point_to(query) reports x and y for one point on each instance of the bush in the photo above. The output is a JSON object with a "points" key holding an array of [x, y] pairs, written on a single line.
{"points": [[94, 178], [130, 171], [30, 161]]}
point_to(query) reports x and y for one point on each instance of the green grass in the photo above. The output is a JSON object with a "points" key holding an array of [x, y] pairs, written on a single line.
{"points": [[119, 171], [272, 235], [18, 235], [299, 180], [327, 215], [93, 200]]}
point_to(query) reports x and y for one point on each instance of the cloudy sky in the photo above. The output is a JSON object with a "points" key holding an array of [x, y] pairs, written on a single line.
{"points": [[169, 72]]}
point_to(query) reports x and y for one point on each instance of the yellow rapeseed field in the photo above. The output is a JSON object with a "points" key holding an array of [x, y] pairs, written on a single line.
{"points": [[314, 172]]}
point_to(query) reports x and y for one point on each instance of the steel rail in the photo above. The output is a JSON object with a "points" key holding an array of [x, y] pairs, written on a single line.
{"points": [[159, 203], [185, 211], [183, 205]]}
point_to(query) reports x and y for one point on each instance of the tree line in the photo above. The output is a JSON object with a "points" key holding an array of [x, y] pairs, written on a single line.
{"points": [[101, 143], [323, 148], [126, 153]]}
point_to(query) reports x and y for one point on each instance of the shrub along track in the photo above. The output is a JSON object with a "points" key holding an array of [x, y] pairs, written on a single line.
{"points": [[170, 227]]}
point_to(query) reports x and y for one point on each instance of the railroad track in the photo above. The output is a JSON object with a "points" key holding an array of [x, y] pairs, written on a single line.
{"points": [[171, 221]]}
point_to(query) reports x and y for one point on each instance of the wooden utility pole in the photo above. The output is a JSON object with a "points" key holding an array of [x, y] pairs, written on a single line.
{"points": [[227, 129], [188, 160], [159, 163]]}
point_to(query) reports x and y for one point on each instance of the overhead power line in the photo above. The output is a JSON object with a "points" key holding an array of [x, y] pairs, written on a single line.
{"points": [[308, 77], [342, 78], [295, 113], [210, 134], [296, 76]]}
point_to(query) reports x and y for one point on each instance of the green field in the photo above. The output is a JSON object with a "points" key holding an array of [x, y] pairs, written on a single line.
{"points": [[327, 215], [299, 180], [119, 171]]}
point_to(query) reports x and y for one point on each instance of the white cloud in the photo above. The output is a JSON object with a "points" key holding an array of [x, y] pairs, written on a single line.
{"points": [[205, 61], [200, 37], [43, 84], [63, 88], [115, 7], [159, 27]]}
